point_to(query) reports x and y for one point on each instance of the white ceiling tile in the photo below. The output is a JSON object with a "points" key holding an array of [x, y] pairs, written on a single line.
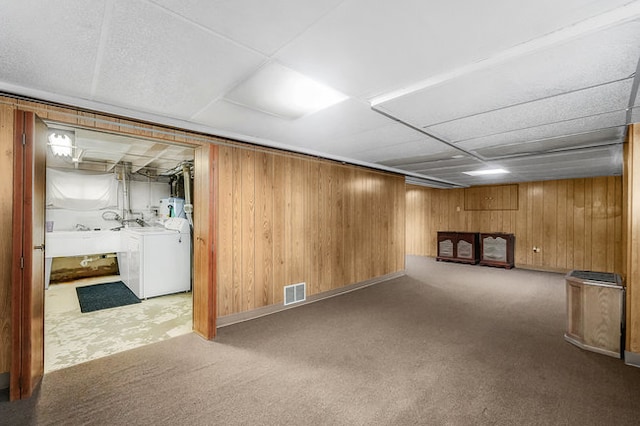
{"points": [[50, 45], [571, 127], [404, 150], [316, 131], [369, 47], [361, 145], [156, 62], [442, 162], [262, 25], [598, 161], [612, 135], [593, 59], [607, 98]]}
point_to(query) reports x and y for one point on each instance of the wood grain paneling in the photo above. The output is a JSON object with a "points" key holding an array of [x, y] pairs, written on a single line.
{"points": [[632, 238], [204, 262], [576, 224], [6, 210], [493, 197], [314, 221]]}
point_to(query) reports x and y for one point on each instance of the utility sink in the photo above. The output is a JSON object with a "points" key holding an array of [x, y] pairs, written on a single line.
{"points": [[78, 243]]}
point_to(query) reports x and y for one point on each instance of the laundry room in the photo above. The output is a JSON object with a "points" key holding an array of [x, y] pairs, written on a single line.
{"points": [[118, 252]]}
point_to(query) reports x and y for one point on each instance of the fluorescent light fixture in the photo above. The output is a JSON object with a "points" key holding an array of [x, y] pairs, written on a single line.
{"points": [[61, 143], [457, 156], [281, 91], [486, 172]]}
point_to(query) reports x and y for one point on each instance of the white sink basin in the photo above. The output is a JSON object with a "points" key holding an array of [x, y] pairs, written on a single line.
{"points": [[79, 243]]}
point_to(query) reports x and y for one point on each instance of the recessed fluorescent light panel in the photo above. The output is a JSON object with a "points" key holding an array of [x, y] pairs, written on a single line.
{"points": [[281, 91], [486, 172]]}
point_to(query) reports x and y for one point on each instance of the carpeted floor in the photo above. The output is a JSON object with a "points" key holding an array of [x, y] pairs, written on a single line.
{"points": [[447, 344]]}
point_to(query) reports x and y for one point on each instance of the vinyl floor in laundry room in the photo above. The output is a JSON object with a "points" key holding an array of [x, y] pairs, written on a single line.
{"points": [[73, 337]]}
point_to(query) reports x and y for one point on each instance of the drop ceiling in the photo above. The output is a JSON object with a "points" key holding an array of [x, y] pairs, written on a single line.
{"points": [[543, 89]]}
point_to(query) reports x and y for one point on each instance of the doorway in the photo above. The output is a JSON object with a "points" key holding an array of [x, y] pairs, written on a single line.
{"points": [[144, 183], [28, 235]]}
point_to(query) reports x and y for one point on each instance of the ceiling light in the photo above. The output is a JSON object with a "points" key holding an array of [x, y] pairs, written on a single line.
{"points": [[281, 91], [486, 172], [457, 156], [61, 143]]}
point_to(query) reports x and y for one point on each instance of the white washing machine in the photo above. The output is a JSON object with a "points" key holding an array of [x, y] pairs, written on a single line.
{"points": [[157, 261]]}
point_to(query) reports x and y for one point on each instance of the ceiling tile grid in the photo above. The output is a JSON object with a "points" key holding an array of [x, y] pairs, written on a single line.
{"points": [[491, 80], [582, 62], [548, 131], [606, 98]]}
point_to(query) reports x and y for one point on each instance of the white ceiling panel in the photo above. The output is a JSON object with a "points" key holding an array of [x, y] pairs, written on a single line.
{"points": [[571, 127], [437, 162], [606, 98], [598, 161], [386, 153], [608, 136], [366, 48], [50, 45], [360, 145], [317, 130], [265, 26], [578, 63], [155, 62]]}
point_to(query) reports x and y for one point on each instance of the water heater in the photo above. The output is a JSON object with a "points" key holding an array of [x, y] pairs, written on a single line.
{"points": [[171, 207]]}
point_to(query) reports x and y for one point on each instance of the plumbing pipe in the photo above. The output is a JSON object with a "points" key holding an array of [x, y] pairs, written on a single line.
{"points": [[85, 262], [188, 207]]}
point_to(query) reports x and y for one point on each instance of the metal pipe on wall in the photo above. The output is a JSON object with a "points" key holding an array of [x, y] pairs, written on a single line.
{"points": [[188, 206]]}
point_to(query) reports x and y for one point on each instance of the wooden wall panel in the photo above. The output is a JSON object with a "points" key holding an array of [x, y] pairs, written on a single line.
{"points": [[247, 221], [204, 265], [576, 224], [631, 232], [264, 230], [6, 212], [314, 221], [225, 230]]}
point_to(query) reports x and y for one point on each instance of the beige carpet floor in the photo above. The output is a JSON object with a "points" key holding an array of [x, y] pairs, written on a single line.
{"points": [[447, 344]]}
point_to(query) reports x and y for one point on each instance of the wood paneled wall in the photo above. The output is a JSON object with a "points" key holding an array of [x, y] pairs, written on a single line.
{"points": [[6, 217], [632, 238], [576, 223], [285, 219]]}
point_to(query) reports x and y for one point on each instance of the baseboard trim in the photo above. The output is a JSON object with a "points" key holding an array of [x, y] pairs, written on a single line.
{"points": [[592, 348], [272, 309], [632, 359], [4, 381]]}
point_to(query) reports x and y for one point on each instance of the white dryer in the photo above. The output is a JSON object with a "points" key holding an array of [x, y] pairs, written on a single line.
{"points": [[157, 261]]}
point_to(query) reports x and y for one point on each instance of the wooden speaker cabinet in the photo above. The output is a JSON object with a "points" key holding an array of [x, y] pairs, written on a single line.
{"points": [[459, 247], [496, 249]]}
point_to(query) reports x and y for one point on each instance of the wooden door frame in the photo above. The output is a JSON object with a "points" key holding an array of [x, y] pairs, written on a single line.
{"points": [[205, 302], [18, 357], [27, 358]]}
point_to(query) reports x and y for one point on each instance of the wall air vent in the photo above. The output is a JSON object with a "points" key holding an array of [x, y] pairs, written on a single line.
{"points": [[295, 293]]}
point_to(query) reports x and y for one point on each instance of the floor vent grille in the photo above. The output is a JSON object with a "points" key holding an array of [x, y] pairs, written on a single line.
{"points": [[295, 293]]}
